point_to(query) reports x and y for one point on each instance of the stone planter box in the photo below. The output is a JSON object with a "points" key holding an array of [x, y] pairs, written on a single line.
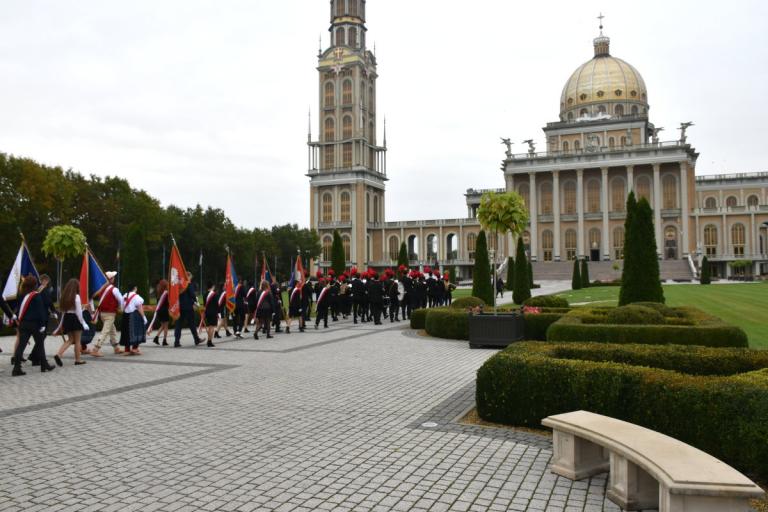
{"points": [[488, 330]]}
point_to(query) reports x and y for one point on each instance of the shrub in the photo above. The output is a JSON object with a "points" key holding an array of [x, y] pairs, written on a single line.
{"points": [[418, 319], [576, 277], [536, 325], [522, 291], [713, 399], [706, 272], [590, 324], [641, 279], [338, 256], [635, 315], [447, 323], [547, 301], [661, 308], [510, 285], [585, 273], [481, 277], [467, 302]]}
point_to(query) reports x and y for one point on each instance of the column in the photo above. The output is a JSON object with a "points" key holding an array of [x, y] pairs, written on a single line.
{"points": [[686, 212], [556, 212], [534, 217], [605, 208], [580, 211], [657, 208]]}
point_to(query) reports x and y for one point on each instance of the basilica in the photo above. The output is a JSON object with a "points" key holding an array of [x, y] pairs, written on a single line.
{"points": [[602, 146]]}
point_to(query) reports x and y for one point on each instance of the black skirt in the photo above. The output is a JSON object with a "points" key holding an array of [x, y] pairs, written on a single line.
{"points": [[162, 316], [71, 324], [211, 319]]}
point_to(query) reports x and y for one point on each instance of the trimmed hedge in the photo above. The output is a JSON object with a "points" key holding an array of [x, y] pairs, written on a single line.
{"points": [[536, 326], [547, 301], [448, 324], [418, 319], [691, 327], [695, 394], [467, 302], [635, 315]]}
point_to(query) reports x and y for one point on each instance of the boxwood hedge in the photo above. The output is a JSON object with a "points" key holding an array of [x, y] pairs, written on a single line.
{"points": [[715, 399], [547, 301], [418, 319], [690, 326], [450, 324], [467, 302]]}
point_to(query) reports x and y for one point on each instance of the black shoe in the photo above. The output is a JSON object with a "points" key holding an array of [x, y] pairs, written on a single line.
{"points": [[269, 336], [177, 345], [58, 361], [238, 336], [228, 333], [217, 336], [46, 367], [78, 363], [287, 330], [17, 371], [165, 342], [13, 360], [316, 327], [210, 344], [256, 336], [246, 330], [156, 340], [198, 341]]}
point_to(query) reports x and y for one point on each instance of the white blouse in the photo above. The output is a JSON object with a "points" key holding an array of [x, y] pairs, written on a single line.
{"points": [[134, 305], [78, 311]]}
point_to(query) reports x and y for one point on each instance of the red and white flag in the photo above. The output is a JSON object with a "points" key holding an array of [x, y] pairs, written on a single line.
{"points": [[178, 281]]}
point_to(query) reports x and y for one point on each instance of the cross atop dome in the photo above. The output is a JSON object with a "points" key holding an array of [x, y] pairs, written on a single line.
{"points": [[601, 18], [602, 43]]}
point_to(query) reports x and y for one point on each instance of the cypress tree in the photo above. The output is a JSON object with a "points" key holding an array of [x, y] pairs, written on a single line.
{"points": [[576, 278], [402, 257], [522, 290], [530, 276], [452, 274], [135, 260], [510, 285], [482, 288], [338, 258], [584, 273], [630, 250], [706, 272], [641, 280]]}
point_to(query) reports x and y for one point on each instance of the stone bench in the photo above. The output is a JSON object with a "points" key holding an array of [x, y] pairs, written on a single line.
{"points": [[647, 470]]}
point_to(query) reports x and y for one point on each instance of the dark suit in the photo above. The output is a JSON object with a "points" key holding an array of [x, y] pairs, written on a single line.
{"points": [[187, 301], [376, 299]]}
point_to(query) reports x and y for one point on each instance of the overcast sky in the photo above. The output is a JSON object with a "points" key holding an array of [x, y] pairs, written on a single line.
{"points": [[205, 101]]}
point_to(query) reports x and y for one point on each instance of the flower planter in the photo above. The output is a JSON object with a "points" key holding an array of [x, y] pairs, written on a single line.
{"points": [[495, 330]]}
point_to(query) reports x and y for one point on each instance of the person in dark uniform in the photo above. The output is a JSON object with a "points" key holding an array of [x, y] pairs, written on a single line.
{"points": [[6, 310], [345, 296], [375, 297], [449, 288], [323, 303], [250, 301], [265, 307], [335, 289], [499, 287], [405, 301], [295, 304], [211, 313], [395, 293], [358, 296], [277, 300], [240, 308], [306, 299], [187, 303], [32, 319]]}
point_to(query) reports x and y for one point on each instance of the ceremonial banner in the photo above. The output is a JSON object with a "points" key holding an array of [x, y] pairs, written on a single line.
{"points": [[92, 277], [230, 284], [297, 276], [178, 281], [266, 275], [22, 267]]}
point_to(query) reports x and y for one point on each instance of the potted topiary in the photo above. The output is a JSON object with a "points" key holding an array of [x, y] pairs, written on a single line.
{"points": [[499, 213]]}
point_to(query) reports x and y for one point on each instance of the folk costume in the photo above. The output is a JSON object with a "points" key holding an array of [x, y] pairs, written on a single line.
{"points": [[265, 307], [110, 302], [133, 330]]}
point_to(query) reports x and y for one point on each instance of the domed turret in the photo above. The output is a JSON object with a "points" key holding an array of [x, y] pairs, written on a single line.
{"points": [[604, 87]]}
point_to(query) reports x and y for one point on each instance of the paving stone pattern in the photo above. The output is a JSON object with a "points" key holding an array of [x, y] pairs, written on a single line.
{"points": [[327, 420]]}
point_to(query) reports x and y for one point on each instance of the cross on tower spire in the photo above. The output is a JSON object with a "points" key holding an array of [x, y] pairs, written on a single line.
{"points": [[601, 18]]}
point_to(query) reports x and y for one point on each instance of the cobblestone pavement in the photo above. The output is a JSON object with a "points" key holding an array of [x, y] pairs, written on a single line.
{"points": [[327, 420]]}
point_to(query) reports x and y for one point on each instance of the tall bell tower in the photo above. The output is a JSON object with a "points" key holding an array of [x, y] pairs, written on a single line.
{"points": [[347, 169]]}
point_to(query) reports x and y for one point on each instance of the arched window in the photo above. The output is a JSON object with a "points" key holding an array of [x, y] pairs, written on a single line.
{"points": [[619, 110], [413, 248], [330, 130], [593, 196], [394, 248], [570, 244], [565, 146], [547, 244], [345, 241], [327, 207], [618, 195], [710, 240], [669, 189], [546, 199], [731, 202], [452, 247], [340, 36], [346, 207], [753, 201], [737, 239], [583, 113], [432, 247], [618, 243], [611, 142], [601, 109], [346, 92], [576, 145], [471, 245], [644, 188], [635, 110], [353, 37], [524, 191], [569, 198], [330, 94], [347, 154], [594, 239], [376, 209], [623, 141], [710, 203], [327, 248], [347, 127]]}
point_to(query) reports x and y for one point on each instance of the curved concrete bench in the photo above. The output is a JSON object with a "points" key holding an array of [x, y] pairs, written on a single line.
{"points": [[648, 470]]}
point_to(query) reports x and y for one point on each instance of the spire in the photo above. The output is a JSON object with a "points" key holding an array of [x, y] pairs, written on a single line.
{"points": [[602, 43]]}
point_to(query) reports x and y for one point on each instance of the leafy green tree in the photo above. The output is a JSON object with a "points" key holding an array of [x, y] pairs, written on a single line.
{"points": [[576, 277], [338, 260], [63, 242], [402, 257], [522, 290], [482, 288], [641, 280], [135, 260], [585, 273], [510, 284], [706, 272]]}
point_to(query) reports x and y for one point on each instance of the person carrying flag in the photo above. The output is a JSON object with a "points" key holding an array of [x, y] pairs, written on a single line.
{"points": [[240, 308], [264, 310], [187, 305], [110, 302], [323, 303], [32, 318]]}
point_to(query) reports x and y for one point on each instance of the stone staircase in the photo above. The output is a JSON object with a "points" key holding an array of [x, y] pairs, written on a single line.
{"points": [[671, 270]]}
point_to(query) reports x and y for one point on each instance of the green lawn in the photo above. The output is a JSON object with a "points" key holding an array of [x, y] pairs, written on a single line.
{"points": [[745, 305]]}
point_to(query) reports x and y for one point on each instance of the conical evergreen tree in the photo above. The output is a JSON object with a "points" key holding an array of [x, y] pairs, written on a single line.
{"points": [[706, 272], [530, 276], [584, 273], [641, 280], [452, 275], [522, 290], [338, 258], [482, 288], [576, 277], [402, 257], [510, 284], [135, 260]]}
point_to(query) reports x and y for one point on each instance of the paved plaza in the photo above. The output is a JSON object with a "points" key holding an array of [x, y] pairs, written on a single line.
{"points": [[327, 420]]}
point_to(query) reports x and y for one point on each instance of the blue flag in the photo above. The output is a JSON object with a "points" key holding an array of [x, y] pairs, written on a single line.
{"points": [[22, 267]]}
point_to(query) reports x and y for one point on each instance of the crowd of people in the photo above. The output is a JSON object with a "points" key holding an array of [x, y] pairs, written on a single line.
{"points": [[363, 296]]}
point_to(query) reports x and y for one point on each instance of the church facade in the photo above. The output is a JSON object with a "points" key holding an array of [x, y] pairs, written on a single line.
{"points": [[602, 147]]}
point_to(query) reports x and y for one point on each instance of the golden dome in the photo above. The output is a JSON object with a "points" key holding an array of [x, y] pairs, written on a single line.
{"points": [[604, 86]]}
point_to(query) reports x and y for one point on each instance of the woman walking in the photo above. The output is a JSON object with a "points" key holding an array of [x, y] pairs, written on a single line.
{"points": [[133, 331], [73, 323], [162, 316], [223, 314], [211, 313], [264, 309], [32, 319]]}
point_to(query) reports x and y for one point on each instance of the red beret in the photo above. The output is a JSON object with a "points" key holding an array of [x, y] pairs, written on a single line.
{"points": [[319, 274]]}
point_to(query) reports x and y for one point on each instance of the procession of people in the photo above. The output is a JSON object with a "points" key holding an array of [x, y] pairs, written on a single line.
{"points": [[267, 307]]}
